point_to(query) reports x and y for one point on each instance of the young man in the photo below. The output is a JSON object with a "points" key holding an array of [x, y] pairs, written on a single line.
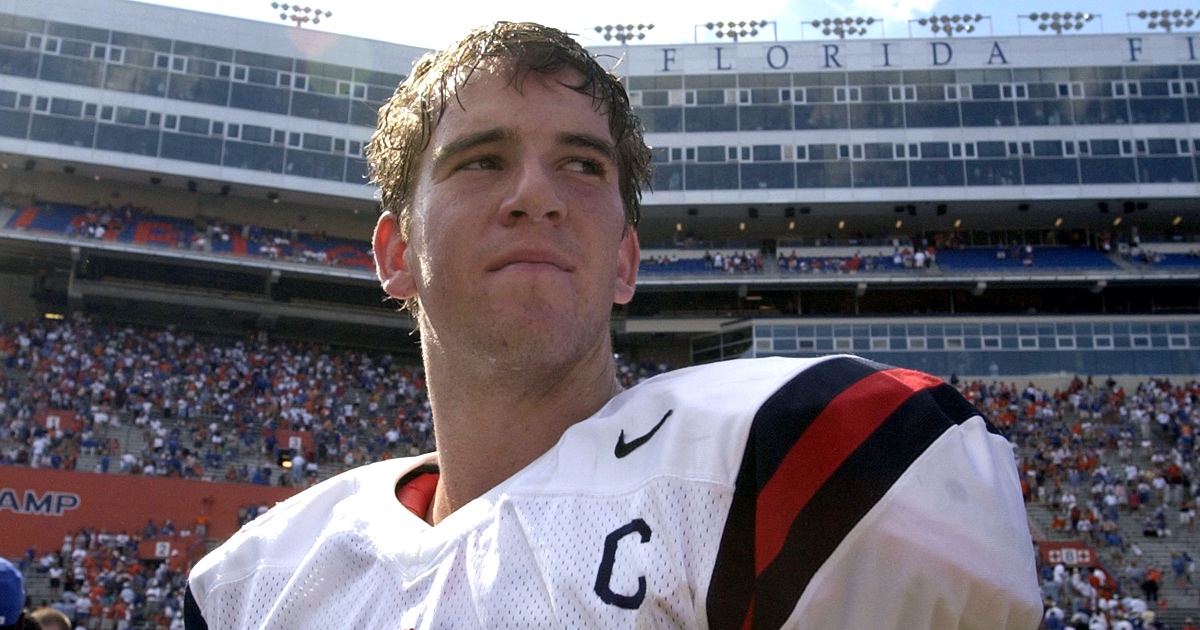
{"points": [[829, 493]]}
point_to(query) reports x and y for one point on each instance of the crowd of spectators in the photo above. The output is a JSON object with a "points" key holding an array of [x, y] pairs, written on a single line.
{"points": [[209, 409], [101, 580], [1095, 455], [200, 404]]}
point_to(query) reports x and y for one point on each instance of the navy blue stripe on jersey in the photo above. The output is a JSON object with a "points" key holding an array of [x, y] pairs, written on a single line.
{"points": [[757, 582], [192, 619], [846, 497], [776, 427]]}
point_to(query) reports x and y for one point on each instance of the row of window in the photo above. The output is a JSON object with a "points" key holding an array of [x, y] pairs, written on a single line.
{"points": [[918, 78], [199, 66], [867, 165], [953, 344], [912, 93], [188, 72], [296, 157], [980, 330], [982, 149], [117, 46], [1032, 171], [917, 114], [1161, 347], [194, 125]]}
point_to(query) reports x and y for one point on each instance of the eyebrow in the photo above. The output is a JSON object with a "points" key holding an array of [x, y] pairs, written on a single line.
{"points": [[468, 142], [589, 141], [465, 143]]}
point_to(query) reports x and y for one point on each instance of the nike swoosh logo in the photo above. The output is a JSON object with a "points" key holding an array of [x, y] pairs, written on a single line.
{"points": [[625, 448]]}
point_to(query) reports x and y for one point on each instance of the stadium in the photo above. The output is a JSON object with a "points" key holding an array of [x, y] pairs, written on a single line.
{"points": [[189, 296]]}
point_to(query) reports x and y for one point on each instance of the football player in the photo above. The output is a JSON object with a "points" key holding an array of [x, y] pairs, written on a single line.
{"points": [[827, 493]]}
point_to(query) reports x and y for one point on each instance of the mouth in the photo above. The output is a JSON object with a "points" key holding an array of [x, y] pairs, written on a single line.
{"points": [[532, 260]]}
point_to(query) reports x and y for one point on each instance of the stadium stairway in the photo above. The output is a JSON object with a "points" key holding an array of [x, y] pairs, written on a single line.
{"points": [[1180, 602]]}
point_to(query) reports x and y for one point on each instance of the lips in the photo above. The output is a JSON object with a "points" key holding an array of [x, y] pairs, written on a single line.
{"points": [[531, 258]]}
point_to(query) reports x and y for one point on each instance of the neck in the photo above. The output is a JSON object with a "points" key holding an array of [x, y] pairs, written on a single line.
{"points": [[491, 419]]}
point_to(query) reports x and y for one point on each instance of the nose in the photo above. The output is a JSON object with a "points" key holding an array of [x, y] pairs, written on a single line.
{"points": [[534, 195]]}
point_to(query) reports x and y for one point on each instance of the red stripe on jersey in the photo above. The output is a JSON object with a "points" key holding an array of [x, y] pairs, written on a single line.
{"points": [[848, 420]]}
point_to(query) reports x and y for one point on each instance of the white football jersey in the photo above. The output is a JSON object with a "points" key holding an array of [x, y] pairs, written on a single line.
{"points": [[832, 493]]}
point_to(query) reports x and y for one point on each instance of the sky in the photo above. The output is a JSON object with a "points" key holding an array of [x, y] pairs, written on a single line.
{"points": [[436, 23]]}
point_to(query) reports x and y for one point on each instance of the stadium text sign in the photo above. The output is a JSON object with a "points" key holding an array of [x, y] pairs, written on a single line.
{"points": [[980, 53], [50, 503]]}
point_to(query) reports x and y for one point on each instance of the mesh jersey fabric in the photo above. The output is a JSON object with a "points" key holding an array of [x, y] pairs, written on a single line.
{"points": [[828, 493]]}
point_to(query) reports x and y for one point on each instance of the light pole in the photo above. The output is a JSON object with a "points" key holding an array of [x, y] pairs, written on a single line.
{"points": [[736, 30], [623, 33], [1060, 22], [1167, 20], [951, 25], [842, 27], [300, 15]]}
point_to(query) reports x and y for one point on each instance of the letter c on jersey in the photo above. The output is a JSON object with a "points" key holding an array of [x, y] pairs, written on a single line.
{"points": [[604, 576]]}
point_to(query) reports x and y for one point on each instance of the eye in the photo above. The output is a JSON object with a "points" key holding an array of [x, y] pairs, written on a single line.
{"points": [[482, 163], [587, 166]]}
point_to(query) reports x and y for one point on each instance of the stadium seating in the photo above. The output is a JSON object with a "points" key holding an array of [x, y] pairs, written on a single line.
{"points": [[124, 225], [1043, 258]]}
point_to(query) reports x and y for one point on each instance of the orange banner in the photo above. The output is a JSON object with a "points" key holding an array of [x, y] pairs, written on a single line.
{"points": [[38, 507], [60, 420]]}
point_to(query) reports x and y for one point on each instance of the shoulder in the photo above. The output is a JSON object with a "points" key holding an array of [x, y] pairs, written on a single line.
{"points": [[288, 531]]}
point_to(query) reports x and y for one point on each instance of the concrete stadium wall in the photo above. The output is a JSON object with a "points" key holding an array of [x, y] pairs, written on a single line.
{"points": [[16, 299]]}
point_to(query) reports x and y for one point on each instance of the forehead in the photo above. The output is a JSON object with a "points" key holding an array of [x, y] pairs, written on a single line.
{"points": [[500, 93]]}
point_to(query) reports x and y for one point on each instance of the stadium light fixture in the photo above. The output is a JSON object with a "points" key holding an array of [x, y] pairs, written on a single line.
{"points": [[1116, 221], [300, 15], [899, 223], [736, 29], [842, 27], [1059, 22], [742, 226], [1168, 19], [792, 225], [951, 25], [958, 223], [1177, 220], [1058, 222], [624, 33]]}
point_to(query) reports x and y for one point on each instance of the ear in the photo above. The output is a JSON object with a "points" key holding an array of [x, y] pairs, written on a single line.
{"points": [[390, 266], [628, 257]]}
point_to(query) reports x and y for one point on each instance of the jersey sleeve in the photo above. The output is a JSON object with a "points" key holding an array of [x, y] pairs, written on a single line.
{"points": [[874, 497]]}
